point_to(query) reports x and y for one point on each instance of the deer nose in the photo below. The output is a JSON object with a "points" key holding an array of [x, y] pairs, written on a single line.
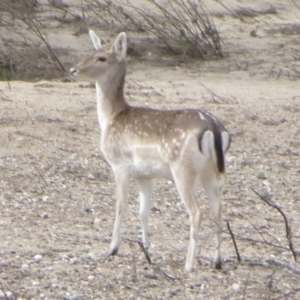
{"points": [[73, 72]]}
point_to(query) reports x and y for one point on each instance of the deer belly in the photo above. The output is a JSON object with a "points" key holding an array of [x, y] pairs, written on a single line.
{"points": [[151, 169]]}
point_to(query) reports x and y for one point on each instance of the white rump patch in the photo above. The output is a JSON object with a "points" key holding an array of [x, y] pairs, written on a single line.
{"points": [[225, 141], [207, 142]]}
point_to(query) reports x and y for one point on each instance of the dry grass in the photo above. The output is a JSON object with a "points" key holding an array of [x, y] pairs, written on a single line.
{"points": [[184, 27], [24, 40]]}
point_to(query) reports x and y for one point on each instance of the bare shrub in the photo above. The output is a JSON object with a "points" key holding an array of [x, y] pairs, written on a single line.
{"points": [[185, 27], [25, 49]]}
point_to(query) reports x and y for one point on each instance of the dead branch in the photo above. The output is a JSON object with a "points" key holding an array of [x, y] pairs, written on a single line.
{"points": [[157, 269], [15, 14], [263, 238], [2, 289], [296, 4], [242, 238], [215, 96], [234, 242], [287, 225], [40, 173], [273, 262], [144, 250]]}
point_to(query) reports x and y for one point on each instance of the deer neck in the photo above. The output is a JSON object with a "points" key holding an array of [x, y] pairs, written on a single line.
{"points": [[110, 99]]}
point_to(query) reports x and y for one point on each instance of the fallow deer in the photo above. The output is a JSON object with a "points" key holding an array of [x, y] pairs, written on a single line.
{"points": [[186, 146]]}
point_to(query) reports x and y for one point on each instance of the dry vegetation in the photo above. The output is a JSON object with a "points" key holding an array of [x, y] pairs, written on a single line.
{"points": [[180, 29], [184, 27]]}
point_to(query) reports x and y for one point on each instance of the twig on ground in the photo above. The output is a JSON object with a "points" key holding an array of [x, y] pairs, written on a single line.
{"points": [[287, 225], [296, 4], [156, 268], [144, 250], [263, 238], [242, 238], [40, 173], [273, 262], [226, 100], [234, 242], [2, 289]]}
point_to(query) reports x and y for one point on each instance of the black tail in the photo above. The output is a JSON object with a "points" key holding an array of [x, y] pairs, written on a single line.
{"points": [[218, 149], [219, 152]]}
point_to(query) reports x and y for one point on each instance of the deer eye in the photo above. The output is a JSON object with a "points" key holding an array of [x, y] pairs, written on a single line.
{"points": [[102, 58]]}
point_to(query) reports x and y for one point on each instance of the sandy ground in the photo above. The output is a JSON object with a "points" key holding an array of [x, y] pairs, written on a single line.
{"points": [[57, 192]]}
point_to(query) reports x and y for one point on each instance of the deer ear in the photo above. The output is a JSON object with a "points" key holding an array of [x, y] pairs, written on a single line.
{"points": [[120, 46], [95, 39]]}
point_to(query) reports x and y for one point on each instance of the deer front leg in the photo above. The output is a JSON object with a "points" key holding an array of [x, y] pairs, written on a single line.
{"points": [[122, 185], [145, 189]]}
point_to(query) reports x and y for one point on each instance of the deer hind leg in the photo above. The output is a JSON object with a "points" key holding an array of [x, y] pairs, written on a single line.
{"points": [[122, 185], [211, 186], [185, 183], [145, 189]]}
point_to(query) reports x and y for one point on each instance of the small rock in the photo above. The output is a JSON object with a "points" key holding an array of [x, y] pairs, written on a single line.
{"points": [[174, 291], [97, 221], [91, 177], [74, 261], [253, 33], [106, 240], [151, 276], [73, 297], [5, 295], [252, 201], [91, 278], [24, 197], [39, 191], [154, 208], [265, 264], [38, 258], [88, 210], [88, 256], [45, 215], [3, 264], [235, 287], [17, 206], [44, 85], [261, 175]]}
